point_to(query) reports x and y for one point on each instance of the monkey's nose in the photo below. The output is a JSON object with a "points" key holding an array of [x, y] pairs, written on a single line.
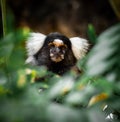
{"points": [[55, 50]]}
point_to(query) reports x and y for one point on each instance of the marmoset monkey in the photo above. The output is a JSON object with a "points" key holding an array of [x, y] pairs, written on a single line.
{"points": [[55, 51]]}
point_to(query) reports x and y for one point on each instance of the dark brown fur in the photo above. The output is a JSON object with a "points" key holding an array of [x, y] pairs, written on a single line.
{"points": [[43, 56]]}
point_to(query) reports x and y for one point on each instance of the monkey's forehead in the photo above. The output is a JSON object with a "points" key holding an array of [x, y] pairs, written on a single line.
{"points": [[57, 43], [60, 41]]}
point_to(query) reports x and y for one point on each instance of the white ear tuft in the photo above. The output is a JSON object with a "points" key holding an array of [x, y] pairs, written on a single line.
{"points": [[79, 47], [34, 43]]}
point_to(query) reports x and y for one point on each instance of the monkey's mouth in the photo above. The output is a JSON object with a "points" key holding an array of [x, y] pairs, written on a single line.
{"points": [[56, 57]]}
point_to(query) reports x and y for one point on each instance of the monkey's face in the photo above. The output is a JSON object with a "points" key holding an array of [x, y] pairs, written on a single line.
{"points": [[57, 50]]}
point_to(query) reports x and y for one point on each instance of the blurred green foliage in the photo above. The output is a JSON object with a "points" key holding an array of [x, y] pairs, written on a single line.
{"points": [[91, 34], [55, 98]]}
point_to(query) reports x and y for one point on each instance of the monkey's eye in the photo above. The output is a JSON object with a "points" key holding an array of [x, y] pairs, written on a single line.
{"points": [[51, 45], [63, 47]]}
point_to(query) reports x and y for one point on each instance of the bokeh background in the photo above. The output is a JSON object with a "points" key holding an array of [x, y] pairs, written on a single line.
{"points": [[70, 17]]}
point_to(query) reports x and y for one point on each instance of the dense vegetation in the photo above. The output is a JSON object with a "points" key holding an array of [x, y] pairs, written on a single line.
{"points": [[69, 98], [59, 99]]}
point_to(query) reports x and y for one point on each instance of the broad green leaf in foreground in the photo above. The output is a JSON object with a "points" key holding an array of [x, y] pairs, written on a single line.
{"points": [[105, 56]]}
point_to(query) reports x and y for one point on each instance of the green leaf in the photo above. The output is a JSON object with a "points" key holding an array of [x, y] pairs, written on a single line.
{"points": [[104, 57], [91, 34]]}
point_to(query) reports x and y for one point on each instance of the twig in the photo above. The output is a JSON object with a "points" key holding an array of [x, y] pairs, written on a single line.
{"points": [[4, 23]]}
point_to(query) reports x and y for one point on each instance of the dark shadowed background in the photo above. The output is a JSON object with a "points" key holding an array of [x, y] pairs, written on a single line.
{"points": [[70, 17]]}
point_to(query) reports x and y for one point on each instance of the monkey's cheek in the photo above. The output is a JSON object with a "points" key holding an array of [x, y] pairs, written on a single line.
{"points": [[62, 56]]}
